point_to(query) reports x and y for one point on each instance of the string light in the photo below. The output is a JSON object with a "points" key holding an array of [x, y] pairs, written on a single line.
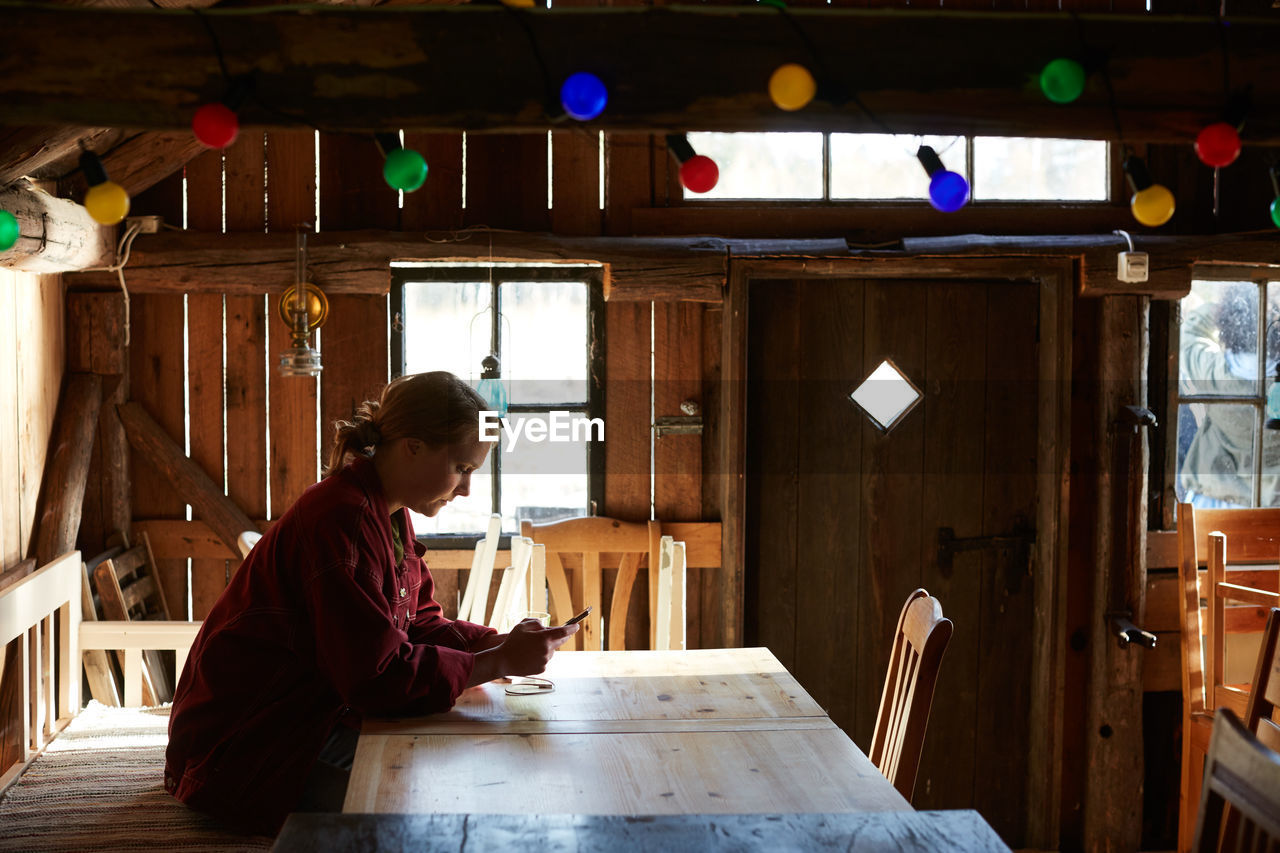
{"points": [[583, 95], [1062, 80], [403, 168], [9, 230], [948, 191], [106, 201], [1275, 188], [792, 87], [1152, 204], [215, 125], [698, 172], [1218, 144]]}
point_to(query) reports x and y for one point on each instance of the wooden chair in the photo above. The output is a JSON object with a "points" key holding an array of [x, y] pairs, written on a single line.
{"points": [[1219, 693], [583, 541], [670, 617], [1261, 715], [129, 589], [524, 586], [1245, 775], [1254, 535], [475, 600], [922, 637]]}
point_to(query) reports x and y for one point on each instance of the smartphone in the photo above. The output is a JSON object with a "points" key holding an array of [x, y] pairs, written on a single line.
{"points": [[575, 620]]}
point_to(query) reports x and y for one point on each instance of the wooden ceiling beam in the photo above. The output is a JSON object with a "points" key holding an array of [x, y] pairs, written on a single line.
{"points": [[668, 69], [140, 162], [56, 235]]}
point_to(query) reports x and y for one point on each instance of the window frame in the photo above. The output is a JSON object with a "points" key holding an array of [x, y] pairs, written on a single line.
{"points": [[1116, 190], [1260, 276], [496, 274]]}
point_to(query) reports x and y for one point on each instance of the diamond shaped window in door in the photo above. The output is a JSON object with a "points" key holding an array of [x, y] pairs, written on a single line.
{"points": [[886, 396]]}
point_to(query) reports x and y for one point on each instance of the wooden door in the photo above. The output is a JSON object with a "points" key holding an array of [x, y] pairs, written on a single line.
{"points": [[843, 518]]}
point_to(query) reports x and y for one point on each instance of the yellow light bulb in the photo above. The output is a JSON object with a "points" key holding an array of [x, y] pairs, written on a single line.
{"points": [[107, 203], [792, 87], [1152, 206]]}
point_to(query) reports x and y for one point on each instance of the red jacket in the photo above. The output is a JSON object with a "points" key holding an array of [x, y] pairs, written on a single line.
{"points": [[318, 622]]}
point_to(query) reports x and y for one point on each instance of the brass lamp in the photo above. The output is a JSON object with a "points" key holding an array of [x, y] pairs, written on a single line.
{"points": [[303, 307]]}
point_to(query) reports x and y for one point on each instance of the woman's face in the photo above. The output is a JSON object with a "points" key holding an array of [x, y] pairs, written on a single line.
{"points": [[436, 475]]}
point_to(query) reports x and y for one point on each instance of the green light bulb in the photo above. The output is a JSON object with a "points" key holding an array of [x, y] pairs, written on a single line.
{"points": [[404, 170], [9, 230], [1062, 80], [1275, 211]]}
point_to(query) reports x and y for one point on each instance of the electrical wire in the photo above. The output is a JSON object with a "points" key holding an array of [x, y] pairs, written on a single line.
{"points": [[123, 249]]}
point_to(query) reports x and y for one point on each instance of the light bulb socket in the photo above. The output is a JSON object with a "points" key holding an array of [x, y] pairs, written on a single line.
{"points": [[1135, 171], [387, 142], [490, 367], [237, 92], [678, 144], [94, 172], [930, 160]]}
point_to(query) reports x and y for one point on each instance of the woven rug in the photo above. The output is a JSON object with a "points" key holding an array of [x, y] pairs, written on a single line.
{"points": [[97, 786]]}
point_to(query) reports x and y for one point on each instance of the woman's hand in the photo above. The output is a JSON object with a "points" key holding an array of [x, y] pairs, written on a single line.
{"points": [[525, 651]]}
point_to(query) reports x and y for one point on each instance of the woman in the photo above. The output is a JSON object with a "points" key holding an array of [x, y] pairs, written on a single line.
{"points": [[332, 618]]}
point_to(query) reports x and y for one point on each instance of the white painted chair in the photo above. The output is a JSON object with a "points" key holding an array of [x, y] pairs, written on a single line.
{"points": [[671, 615], [475, 600]]}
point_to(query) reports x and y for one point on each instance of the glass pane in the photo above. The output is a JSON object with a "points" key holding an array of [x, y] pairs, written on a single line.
{"points": [[886, 395], [439, 330], [877, 165], [1050, 169], [544, 341], [1218, 339], [544, 480], [464, 515], [1215, 454], [762, 165]]}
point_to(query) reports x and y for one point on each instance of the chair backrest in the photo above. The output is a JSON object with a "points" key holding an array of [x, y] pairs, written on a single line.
{"points": [[670, 618], [475, 600], [517, 590], [582, 541], [1245, 775], [922, 637], [1219, 692], [1254, 536], [1261, 715]]}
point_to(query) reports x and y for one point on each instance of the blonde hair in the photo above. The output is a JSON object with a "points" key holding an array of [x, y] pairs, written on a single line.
{"points": [[436, 408]]}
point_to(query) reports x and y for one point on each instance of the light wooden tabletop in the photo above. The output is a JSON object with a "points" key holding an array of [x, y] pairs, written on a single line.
{"points": [[618, 688], [697, 732]]}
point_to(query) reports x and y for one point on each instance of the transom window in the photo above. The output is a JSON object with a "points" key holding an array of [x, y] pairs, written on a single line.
{"points": [[881, 167], [1223, 379], [540, 322]]}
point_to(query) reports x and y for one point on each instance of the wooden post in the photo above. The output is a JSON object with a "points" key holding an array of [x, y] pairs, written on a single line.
{"points": [[66, 470], [57, 235], [1113, 717], [218, 511]]}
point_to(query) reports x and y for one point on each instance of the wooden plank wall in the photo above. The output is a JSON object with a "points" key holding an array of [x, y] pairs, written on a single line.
{"points": [[266, 436], [32, 358]]}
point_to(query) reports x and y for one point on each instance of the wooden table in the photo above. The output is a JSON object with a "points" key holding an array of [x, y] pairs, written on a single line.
{"points": [[907, 831], [625, 733]]}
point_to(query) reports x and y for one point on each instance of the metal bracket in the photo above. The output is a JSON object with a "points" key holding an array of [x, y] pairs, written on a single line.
{"points": [[677, 425], [1127, 632]]}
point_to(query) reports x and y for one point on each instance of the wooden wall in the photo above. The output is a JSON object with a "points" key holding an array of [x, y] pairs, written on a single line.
{"points": [[277, 430], [32, 356]]}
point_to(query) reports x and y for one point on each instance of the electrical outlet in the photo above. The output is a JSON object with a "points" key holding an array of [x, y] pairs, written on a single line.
{"points": [[1132, 267], [146, 224]]}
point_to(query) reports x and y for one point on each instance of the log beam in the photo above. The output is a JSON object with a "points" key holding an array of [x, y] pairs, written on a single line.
{"points": [[57, 235], [636, 268], [366, 69], [66, 469], [360, 262], [190, 481]]}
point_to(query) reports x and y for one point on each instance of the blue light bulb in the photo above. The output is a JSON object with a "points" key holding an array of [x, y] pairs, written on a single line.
{"points": [[948, 191], [583, 96], [1273, 407]]}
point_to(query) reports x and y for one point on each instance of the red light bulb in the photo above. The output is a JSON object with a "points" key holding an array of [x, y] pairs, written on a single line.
{"points": [[1218, 145], [215, 125], [699, 173]]}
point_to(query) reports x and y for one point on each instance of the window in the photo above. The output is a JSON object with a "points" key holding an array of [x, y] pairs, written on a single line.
{"points": [[544, 321], [867, 166], [1223, 379]]}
